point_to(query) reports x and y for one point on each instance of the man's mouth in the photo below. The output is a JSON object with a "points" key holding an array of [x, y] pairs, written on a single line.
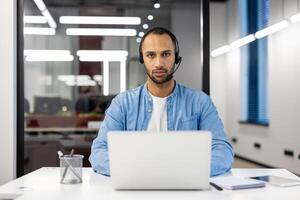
{"points": [[160, 72]]}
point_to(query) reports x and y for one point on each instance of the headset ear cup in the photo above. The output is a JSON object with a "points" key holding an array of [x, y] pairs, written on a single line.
{"points": [[141, 59], [177, 58]]}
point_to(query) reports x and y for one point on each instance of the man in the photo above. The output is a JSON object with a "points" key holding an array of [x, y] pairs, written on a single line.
{"points": [[161, 105]]}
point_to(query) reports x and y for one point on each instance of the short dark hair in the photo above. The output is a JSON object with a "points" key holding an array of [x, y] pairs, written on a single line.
{"points": [[160, 31]]}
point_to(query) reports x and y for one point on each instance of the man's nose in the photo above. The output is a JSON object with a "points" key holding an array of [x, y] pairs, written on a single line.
{"points": [[158, 61]]}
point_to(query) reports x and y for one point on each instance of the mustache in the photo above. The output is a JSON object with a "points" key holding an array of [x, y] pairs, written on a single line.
{"points": [[160, 70]]}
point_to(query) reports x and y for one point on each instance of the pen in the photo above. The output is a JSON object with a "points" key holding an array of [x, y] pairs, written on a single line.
{"points": [[216, 186]]}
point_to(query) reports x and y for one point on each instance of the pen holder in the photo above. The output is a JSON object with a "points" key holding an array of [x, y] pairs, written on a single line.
{"points": [[71, 169]]}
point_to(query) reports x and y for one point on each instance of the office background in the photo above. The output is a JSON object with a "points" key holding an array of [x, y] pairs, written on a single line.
{"points": [[56, 115], [275, 145]]}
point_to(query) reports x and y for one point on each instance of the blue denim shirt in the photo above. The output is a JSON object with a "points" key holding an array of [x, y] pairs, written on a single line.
{"points": [[187, 109]]}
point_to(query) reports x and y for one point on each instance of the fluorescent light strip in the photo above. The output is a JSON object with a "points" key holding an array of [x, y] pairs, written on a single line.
{"points": [[34, 20], [115, 53], [49, 18], [123, 76], [100, 20], [42, 7], [106, 78], [101, 55], [98, 78], [81, 83], [40, 4], [49, 58], [42, 52], [243, 41], [220, 51], [39, 31], [100, 59], [272, 29], [100, 32], [295, 18], [74, 78]]}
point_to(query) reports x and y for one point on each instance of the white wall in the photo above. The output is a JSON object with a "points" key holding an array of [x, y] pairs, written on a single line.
{"points": [[185, 24], [283, 95], [218, 21], [8, 90]]}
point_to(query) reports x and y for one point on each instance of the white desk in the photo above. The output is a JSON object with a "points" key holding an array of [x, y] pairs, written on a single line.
{"points": [[43, 184]]}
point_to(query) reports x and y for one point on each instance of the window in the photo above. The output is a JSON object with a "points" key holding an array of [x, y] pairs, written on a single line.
{"points": [[254, 57]]}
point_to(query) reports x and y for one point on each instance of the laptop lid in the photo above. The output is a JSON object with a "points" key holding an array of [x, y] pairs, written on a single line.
{"points": [[171, 160]]}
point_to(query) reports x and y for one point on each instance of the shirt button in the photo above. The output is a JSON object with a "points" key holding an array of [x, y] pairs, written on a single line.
{"points": [[149, 110]]}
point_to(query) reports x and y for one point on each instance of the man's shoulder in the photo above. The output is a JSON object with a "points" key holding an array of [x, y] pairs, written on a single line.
{"points": [[190, 92], [129, 94]]}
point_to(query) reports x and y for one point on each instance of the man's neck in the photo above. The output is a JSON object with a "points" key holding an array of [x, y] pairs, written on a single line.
{"points": [[160, 90]]}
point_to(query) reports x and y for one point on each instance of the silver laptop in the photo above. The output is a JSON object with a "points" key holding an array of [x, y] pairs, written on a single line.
{"points": [[154, 161]]}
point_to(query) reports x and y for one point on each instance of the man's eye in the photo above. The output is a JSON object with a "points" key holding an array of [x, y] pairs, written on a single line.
{"points": [[150, 55], [165, 54]]}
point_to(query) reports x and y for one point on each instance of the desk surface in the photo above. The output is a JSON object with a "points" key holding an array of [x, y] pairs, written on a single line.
{"points": [[61, 129], [44, 184]]}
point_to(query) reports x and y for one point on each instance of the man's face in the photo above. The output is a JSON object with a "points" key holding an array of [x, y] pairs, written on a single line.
{"points": [[159, 56]]}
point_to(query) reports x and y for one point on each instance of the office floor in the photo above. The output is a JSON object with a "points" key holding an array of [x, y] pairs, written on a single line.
{"points": [[240, 163]]}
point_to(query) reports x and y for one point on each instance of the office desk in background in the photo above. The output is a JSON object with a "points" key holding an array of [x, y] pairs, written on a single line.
{"points": [[45, 184], [61, 130]]}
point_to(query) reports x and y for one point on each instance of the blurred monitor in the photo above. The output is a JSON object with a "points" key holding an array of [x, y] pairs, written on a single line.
{"points": [[93, 103], [47, 105], [26, 106]]}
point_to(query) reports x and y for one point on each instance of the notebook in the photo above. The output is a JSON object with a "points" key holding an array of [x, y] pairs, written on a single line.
{"points": [[236, 183]]}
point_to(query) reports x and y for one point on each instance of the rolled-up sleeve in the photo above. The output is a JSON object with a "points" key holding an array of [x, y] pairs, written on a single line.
{"points": [[99, 158], [222, 152]]}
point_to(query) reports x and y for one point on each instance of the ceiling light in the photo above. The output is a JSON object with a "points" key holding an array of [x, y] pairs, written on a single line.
{"points": [[49, 58], [295, 18], [101, 32], [242, 41], [34, 20], [118, 53], [105, 78], [49, 18], [150, 17], [39, 31], [272, 29], [141, 34], [43, 55], [145, 26], [42, 7], [40, 4], [220, 50], [81, 83], [100, 20], [157, 5], [101, 55], [38, 52], [98, 78], [138, 40], [123, 76]]}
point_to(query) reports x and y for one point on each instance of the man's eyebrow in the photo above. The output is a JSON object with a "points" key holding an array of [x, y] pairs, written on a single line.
{"points": [[164, 51]]}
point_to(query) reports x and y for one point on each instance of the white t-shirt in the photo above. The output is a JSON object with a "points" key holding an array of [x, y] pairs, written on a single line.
{"points": [[158, 121]]}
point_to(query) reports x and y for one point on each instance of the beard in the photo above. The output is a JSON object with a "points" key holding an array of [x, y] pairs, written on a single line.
{"points": [[168, 76]]}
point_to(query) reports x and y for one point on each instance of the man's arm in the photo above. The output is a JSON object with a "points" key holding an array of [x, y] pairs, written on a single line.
{"points": [[222, 153], [99, 152]]}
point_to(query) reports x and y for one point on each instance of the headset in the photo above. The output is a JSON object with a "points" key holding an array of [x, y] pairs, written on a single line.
{"points": [[178, 58]]}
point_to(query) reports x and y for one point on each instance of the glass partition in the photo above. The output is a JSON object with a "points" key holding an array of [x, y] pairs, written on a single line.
{"points": [[78, 55]]}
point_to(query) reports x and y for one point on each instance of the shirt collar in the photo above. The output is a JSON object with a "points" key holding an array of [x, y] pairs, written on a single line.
{"points": [[170, 97]]}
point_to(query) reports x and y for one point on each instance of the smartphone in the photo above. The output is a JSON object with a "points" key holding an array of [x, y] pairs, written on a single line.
{"points": [[277, 180]]}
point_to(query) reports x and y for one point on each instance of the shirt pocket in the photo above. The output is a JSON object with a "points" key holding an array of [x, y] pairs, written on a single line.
{"points": [[189, 123]]}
